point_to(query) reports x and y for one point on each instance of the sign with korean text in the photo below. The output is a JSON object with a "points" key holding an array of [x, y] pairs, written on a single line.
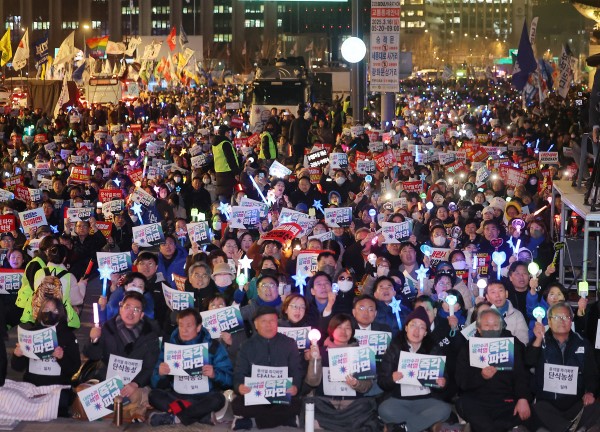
{"points": [[364, 167], [338, 217], [306, 262], [244, 217], [37, 344], [548, 158], [421, 369], [148, 235], [227, 319], [335, 388], [199, 232], [106, 195], [497, 352], [11, 182], [268, 391], [356, 361], [378, 341], [299, 334], [186, 360], [139, 195], [318, 158], [10, 281], [385, 160], [248, 202], [279, 170], [513, 177], [80, 175], [119, 262], [384, 53], [105, 228], [177, 300], [123, 367], [395, 232], [338, 160], [8, 223], [32, 218], [412, 186], [560, 379], [284, 232], [97, 400], [75, 214]]}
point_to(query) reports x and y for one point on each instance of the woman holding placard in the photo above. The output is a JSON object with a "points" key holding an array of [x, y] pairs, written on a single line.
{"points": [[339, 406], [411, 405]]}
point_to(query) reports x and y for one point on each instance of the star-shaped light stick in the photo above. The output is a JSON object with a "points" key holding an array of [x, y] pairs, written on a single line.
{"points": [[137, 209], [25, 155], [225, 210], [117, 182], [245, 265], [317, 205], [105, 272], [421, 275], [300, 280], [395, 305], [54, 228]]}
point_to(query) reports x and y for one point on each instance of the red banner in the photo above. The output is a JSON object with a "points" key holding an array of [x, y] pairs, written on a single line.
{"points": [[11, 182], [283, 233], [412, 186], [385, 160], [8, 223], [136, 175], [22, 193], [106, 195], [80, 174], [105, 228]]}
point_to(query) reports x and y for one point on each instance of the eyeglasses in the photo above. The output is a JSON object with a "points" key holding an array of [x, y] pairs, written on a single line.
{"points": [[417, 327], [365, 308], [297, 307], [561, 318], [344, 278], [200, 275], [268, 286], [133, 309]]}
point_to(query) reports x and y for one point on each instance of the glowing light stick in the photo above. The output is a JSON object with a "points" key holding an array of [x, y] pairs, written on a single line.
{"points": [[137, 209], [427, 250], [372, 258], [451, 301], [533, 269], [539, 313], [317, 205], [429, 205], [300, 280], [314, 336], [225, 210], [481, 285], [245, 265], [194, 214], [462, 193], [105, 272], [557, 247], [499, 258], [258, 190], [96, 315], [396, 307], [583, 289], [368, 178], [421, 274], [474, 262]]}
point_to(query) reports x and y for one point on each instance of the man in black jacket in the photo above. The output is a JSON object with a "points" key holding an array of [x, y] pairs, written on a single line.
{"points": [[549, 353], [298, 136], [266, 348]]}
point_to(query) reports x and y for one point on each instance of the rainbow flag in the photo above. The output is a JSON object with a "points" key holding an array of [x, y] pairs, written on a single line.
{"points": [[97, 46]]}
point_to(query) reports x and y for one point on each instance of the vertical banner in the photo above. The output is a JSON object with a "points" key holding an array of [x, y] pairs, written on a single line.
{"points": [[384, 62]]}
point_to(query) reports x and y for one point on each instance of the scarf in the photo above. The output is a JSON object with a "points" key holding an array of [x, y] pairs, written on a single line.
{"points": [[128, 335], [273, 303]]}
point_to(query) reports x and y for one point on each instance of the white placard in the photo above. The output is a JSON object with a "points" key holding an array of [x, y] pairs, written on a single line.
{"points": [[270, 372], [123, 367], [47, 367], [97, 400], [191, 384], [560, 379], [335, 388], [186, 360]]}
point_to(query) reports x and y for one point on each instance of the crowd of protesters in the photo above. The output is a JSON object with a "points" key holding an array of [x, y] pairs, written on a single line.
{"points": [[444, 209]]}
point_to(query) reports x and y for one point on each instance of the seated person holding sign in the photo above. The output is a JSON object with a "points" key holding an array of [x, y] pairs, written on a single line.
{"points": [[129, 335], [339, 404], [269, 350], [566, 373], [411, 407], [192, 398], [492, 398]]}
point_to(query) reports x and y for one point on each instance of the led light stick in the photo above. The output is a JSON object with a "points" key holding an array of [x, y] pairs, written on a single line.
{"points": [[557, 248], [300, 280], [258, 190], [533, 269], [396, 306], [499, 258], [421, 274], [314, 336], [245, 265], [539, 313], [583, 289], [137, 210], [225, 210], [451, 301], [481, 285], [96, 315], [317, 205], [105, 272]]}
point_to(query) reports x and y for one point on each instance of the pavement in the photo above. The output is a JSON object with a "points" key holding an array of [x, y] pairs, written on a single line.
{"points": [[93, 292]]}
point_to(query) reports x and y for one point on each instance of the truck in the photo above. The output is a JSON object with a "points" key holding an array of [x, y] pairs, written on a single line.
{"points": [[283, 84], [330, 84]]}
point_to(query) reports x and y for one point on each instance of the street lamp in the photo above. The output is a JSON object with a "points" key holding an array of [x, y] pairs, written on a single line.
{"points": [[85, 28], [353, 51]]}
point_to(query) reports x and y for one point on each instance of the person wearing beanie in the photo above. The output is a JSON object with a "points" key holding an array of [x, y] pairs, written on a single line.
{"points": [[411, 407], [266, 348]]}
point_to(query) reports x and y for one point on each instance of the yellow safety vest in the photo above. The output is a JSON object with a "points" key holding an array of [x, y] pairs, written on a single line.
{"points": [[272, 148], [220, 160]]}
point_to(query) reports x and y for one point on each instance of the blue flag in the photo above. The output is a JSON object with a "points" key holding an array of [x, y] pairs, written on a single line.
{"points": [[525, 63], [41, 51]]}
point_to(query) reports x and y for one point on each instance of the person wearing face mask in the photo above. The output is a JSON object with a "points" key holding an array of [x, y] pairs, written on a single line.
{"points": [[438, 237], [346, 291], [65, 359], [493, 399], [224, 281], [539, 243], [340, 184], [132, 281]]}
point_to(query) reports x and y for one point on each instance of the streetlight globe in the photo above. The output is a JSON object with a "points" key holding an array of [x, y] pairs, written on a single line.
{"points": [[353, 50]]}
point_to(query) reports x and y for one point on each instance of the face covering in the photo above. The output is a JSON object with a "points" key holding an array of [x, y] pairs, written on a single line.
{"points": [[134, 288], [536, 234], [533, 181], [134, 219], [345, 286], [206, 181], [510, 192], [439, 241], [223, 280], [459, 265], [382, 271], [489, 198], [48, 318], [340, 181], [490, 333], [177, 179], [329, 269]]}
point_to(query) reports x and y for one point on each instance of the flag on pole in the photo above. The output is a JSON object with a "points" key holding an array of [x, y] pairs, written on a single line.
{"points": [[97, 46], [447, 73], [40, 48], [63, 98], [565, 71], [22, 53], [134, 42], [309, 47], [67, 50], [183, 39], [6, 48], [151, 51], [525, 63], [171, 39], [533, 31]]}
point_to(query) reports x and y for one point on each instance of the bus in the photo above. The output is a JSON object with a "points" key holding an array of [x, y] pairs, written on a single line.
{"points": [[283, 85]]}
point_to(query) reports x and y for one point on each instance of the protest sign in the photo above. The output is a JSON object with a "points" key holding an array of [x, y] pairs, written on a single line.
{"points": [[338, 160], [97, 400], [267, 391], [338, 217], [244, 217], [306, 262], [560, 379], [10, 281], [299, 334], [118, 261], [395, 232], [186, 360], [123, 367], [356, 361], [105, 195], [421, 369], [177, 300], [548, 158], [335, 388], [148, 235], [32, 218], [105, 228], [497, 352], [8, 223], [284, 232], [227, 319], [248, 202], [364, 167], [385, 160], [318, 158], [378, 341], [80, 174], [199, 232], [37, 344], [139, 195], [75, 214], [279, 170]]}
